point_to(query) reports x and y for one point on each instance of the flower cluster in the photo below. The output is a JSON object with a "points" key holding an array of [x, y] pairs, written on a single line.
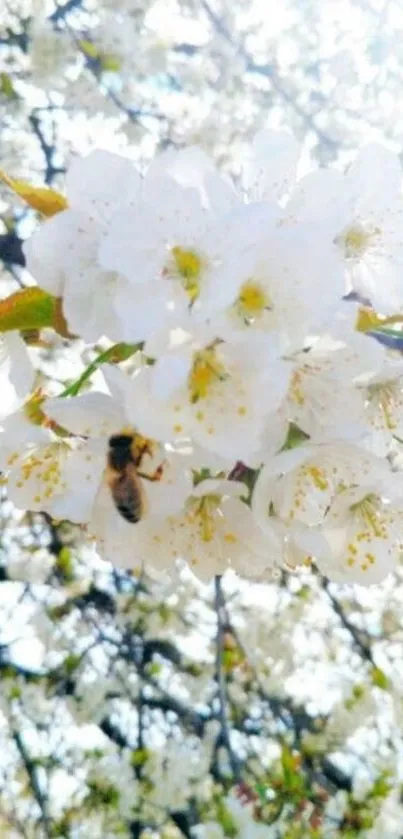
{"points": [[262, 423]]}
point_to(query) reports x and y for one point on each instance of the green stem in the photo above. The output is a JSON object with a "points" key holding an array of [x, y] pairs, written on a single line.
{"points": [[119, 352]]}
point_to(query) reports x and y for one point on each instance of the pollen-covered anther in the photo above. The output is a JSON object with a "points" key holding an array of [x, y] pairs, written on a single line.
{"points": [[206, 372], [356, 240], [253, 300], [367, 511], [186, 266], [202, 512], [384, 396], [318, 477]]}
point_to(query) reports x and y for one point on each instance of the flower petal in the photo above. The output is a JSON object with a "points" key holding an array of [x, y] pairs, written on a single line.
{"points": [[270, 170], [16, 373], [95, 182], [87, 415]]}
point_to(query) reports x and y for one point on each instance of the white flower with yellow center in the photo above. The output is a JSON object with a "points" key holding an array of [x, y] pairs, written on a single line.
{"points": [[382, 394], [299, 485], [362, 212], [62, 254], [50, 478], [214, 531], [326, 379], [170, 245], [65, 475], [295, 491], [218, 394], [364, 532], [280, 290]]}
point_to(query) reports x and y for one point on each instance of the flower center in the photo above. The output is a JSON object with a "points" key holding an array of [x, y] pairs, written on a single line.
{"points": [[205, 373], [367, 511], [188, 266], [317, 476], [253, 300], [356, 240], [383, 395], [33, 408], [204, 510], [45, 469]]}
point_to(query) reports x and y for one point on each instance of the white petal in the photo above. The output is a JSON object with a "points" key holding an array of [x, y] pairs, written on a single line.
{"points": [[117, 539], [17, 435], [16, 373], [45, 251], [81, 474], [88, 304], [117, 382], [186, 166], [142, 310], [96, 182], [321, 196], [270, 171], [218, 486], [34, 481], [168, 495], [87, 415], [380, 280], [169, 375], [135, 244], [374, 178], [191, 167], [371, 564], [144, 411]]}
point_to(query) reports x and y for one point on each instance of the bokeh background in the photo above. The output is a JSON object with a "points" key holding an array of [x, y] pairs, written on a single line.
{"points": [[135, 708]]}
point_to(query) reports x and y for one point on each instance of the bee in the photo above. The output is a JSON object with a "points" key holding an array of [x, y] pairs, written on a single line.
{"points": [[126, 452]]}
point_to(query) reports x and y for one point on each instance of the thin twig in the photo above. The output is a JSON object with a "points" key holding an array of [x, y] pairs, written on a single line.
{"points": [[31, 770], [219, 602]]}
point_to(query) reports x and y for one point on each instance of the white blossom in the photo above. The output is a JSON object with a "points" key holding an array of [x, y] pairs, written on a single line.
{"points": [[214, 531], [217, 393], [363, 213]]}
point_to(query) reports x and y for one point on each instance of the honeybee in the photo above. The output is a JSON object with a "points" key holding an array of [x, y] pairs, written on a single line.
{"points": [[126, 451]]}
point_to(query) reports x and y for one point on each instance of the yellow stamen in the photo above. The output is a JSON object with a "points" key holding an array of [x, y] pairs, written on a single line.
{"points": [[318, 477], [367, 511], [188, 265], [356, 240], [383, 395], [205, 372]]}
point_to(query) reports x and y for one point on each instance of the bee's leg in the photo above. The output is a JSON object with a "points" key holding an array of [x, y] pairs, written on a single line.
{"points": [[145, 448], [155, 476]]}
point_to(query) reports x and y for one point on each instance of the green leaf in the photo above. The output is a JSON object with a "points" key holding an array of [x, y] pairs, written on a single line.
{"points": [[139, 757], [28, 309], [46, 201], [295, 437], [385, 330], [379, 678], [89, 49], [6, 86], [115, 354], [64, 564], [71, 662], [110, 63]]}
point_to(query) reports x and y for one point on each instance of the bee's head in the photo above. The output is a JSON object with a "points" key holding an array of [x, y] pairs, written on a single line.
{"points": [[121, 441]]}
